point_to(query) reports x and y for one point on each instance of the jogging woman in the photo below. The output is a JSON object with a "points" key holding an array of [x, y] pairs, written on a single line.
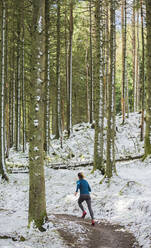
{"points": [[85, 190]]}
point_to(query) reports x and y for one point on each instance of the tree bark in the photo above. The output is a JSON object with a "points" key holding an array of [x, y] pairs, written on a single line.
{"points": [[37, 203], [138, 67], [47, 79], [99, 90], [142, 74], [134, 53], [148, 80], [106, 56], [87, 86], [91, 69], [123, 15], [18, 81], [69, 86], [2, 97], [23, 88], [110, 157], [58, 124]]}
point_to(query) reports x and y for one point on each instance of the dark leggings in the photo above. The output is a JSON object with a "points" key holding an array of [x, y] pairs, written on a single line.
{"points": [[86, 198]]}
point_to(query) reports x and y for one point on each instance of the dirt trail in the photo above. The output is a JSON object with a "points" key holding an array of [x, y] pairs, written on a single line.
{"points": [[79, 233]]}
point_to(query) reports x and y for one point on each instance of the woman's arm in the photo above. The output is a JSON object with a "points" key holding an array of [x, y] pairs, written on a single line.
{"points": [[78, 187], [89, 188]]}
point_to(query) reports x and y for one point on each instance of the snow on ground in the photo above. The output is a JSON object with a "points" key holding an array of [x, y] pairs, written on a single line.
{"points": [[80, 146], [127, 201], [14, 217]]}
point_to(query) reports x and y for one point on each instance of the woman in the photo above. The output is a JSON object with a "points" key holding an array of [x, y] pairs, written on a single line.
{"points": [[85, 190]]}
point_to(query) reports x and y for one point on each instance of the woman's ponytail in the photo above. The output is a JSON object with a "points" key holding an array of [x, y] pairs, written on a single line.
{"points": [[80, 175]]}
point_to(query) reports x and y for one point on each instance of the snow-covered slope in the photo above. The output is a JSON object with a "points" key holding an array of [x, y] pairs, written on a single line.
{"points": [[127, 200], [80, 146]]}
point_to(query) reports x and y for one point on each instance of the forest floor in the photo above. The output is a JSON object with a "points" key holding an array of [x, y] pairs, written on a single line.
{"points": [[102, 235], [122, 209], [124, 204]]}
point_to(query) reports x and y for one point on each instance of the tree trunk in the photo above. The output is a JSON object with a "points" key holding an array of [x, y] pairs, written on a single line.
{"points": [[13, 87], [69, 86], [23, 94], [37, 203], [123, 14], [106, 56], [110, 157], [7, 143], [125, 54], [2, 97], [134, 53], [66, 60], [99, 90], [91, 69], [47, 79], [137, 68], [142, 74], [87, 86], [58, 124], [113, 106], [18, 82], [148, 80]]}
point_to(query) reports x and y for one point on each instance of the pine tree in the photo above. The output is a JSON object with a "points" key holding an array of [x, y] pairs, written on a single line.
{"points": [[2, 96], [134, 51], [110, 157], [47, 79], [148, 80], [142, 74], [91, 68], [123, 15], [58, 83], [37, 203], [69, 86], [99, 90]]}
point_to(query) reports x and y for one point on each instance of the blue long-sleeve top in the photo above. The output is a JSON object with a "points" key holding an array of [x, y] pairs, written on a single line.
{"points": [[83, 186]]}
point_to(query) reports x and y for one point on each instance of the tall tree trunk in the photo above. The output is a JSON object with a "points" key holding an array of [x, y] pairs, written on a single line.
{"points": [[148, 80], [123, 14], [125, 54], [58, 124], [10, 99], [2, 97], [134, 52], [47, 79], [137, 67], [69, 86], [106, 55], [18, 82], [91, 69], [7, 143], [99, 90], [13, 87], [66, 57], [14, 99], [142, 74], [113, 106], [37, 203], [23, 92], [87, 86], [110, 157]]}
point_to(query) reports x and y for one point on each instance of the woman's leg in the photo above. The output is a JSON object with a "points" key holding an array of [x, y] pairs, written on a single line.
{"points": [[88, 201], [80, 200]]}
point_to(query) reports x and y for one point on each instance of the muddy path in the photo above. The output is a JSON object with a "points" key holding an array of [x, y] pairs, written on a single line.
{"points": [[79, 233]]}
